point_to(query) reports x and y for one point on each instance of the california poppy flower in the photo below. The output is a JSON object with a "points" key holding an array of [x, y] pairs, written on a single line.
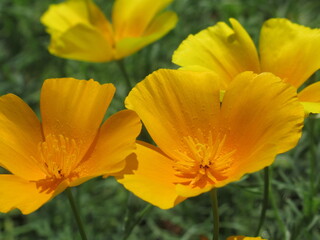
{"points": [[288, 50], [244, 238], [79, 30], [204, 143], [65, 149]]}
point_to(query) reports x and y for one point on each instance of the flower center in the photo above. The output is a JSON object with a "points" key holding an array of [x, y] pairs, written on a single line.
{"points": [[58, 157], [206, 161]]}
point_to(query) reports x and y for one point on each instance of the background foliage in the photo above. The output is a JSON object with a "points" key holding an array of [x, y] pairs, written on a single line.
{"points": [[107, 208]]}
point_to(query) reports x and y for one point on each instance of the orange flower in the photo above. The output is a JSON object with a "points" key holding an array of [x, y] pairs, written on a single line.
{"points": [[67, 148], [79, 30], [244, 238], [288, 50], [204, 143]]}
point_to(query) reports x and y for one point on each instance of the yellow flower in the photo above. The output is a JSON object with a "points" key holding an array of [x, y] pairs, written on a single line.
{"points": [[203, 143], [288, 50], [244, 238], [80, 31], [67, 148]]}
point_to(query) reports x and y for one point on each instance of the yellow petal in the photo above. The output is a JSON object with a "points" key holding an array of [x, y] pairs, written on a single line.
{"points": [[226, 51], [290, 51], [116, 140], [131, 18], [74, 109], [264, 118], [160, 26], [20, 133], [152, 179], [310, 98], [19, 193], [69, 20], [244, 238], [176, 104]]}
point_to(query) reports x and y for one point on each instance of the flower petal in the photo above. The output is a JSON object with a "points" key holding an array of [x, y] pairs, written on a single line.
{"points": [[131, 18], [74, 108], [19, 193], [175, 104], [160, 26], [290, 51], [20, 133], [261, 123], [116, 140], [244, 238], [224, 50], [310, 98], [152, 178], [68, 20]]}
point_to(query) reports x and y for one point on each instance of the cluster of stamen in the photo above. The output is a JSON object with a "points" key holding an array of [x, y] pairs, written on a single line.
{"points": [[205, 161]]}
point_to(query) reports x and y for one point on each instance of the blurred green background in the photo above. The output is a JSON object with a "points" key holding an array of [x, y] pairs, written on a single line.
{"points": [[106, 207]]}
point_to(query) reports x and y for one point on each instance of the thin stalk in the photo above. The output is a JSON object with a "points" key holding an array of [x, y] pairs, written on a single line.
{"points": [[215, 213], [76, 214], [123, 70], [139, 218], [265, 199]]}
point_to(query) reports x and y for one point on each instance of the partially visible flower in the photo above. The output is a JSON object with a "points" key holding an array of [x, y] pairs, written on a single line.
{"points": [[79, 30], [244, 238], [65, 149], [288, 50], [204, 143]]}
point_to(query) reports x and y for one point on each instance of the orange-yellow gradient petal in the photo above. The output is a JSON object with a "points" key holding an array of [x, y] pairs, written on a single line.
{"points": [[261, 123], [76, 24], [290, 51], [167, 101], [244, 238], [132, 18], [115, 141], [20, 133], [19, 193], [152, 177], [226, 51], [310, 98]]}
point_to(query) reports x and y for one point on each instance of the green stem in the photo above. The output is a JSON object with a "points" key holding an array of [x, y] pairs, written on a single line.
{"points": [[265, 199], [215, 212], [125, 74], [139, 218], [313, 159], [76, 214]]}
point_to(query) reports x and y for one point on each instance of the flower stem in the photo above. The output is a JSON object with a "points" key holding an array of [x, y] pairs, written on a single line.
{"points": [[125, 74], [214, 201], [76, 214], [265, 199]]}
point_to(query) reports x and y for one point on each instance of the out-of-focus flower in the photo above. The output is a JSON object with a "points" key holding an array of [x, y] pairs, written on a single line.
{"points": [[244, 238], [288, 50], [67, 148], [80, 31], [204, 143]]}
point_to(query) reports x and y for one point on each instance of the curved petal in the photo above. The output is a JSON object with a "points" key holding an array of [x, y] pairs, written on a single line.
{"points": [[176, 104], [74, 109], [260, 123], [310, 98], [116, 140], [244, 238], [152, 178], [226, 51], [159, 27], [79, 30], [20, 133], [131, 18], [19, 193], [290, 51]]}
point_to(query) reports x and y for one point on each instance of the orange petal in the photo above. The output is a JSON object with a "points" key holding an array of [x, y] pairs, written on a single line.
{"points": [[116, 140], [176, 104], [310, 98], [20, 133], [131, 18], [224, 50], [290, 51], [74, 108], [152, 178], [18, 193], [260, 123], [160, 26]]}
